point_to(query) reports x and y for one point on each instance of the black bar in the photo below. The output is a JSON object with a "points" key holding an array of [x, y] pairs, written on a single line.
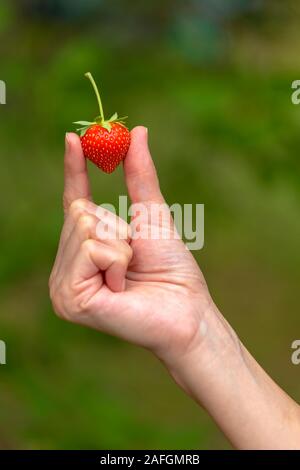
{"points": [[145, 459]]}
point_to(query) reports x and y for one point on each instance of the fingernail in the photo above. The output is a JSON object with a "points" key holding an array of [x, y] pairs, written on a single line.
{"points": [[67, 141], [146, 135]]}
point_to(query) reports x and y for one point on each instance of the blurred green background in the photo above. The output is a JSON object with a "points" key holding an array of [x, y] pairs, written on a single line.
{"points": [[212, 82]]}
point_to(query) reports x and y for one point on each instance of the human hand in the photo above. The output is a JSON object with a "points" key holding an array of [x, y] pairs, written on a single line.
{"points": [[147, 291]]}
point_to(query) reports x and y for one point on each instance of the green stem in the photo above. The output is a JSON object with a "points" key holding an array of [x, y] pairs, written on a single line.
{"points": [[90, 77]]}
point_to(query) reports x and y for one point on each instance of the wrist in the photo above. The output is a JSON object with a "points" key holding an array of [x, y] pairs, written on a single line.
{"points": [[202, 362]]}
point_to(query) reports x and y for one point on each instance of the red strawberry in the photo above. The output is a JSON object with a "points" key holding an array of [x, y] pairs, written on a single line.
{"points": [[104, 142], [106, 148]]}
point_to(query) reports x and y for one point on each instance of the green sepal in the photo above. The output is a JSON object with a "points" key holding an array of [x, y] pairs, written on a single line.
{"points": [[113, 118], [82, 131], [106, 126], [122, 121], [84, 123]]}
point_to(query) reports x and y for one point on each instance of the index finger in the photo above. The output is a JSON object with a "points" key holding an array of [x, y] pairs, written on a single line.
{"points": [[77, 184]]}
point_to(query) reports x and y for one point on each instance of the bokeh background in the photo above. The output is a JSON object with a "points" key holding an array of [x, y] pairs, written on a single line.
{"points": [[211, 79]]}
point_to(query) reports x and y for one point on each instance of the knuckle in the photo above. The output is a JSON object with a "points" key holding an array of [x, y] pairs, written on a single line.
{"points": [[87, 246], [77, 207], [57, 304], [129, 252], [123, 254], [123, 258], [86, 224]]}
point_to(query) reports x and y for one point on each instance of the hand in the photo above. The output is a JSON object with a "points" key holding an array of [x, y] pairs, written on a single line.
{"points": [[149, 292]]}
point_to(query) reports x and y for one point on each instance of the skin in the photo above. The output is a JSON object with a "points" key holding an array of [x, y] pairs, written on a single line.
{"points": [[153, 294]]}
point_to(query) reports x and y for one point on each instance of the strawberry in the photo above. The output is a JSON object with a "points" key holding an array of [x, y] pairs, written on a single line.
{"points": [[104, 142], [106, 148]]}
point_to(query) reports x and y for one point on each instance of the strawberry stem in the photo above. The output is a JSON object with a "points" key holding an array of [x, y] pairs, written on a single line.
{"points": [[90, 77]]}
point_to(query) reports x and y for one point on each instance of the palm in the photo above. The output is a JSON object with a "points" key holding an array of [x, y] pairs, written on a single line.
{"points": [[161, 299]]}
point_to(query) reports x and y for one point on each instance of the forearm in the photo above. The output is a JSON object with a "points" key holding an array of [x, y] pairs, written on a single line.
{"points": [[221, 375]]}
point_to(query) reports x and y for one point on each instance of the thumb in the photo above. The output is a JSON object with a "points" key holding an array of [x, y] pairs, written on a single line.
{"points": [[140, 173], [76, 178]]}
